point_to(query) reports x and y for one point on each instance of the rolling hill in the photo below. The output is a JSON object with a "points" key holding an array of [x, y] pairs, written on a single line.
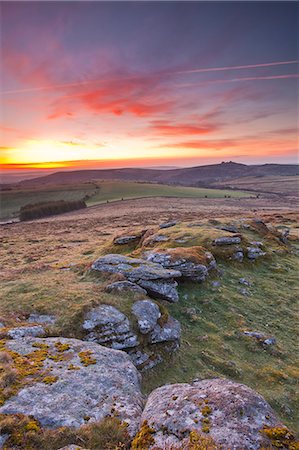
{"points": [[193, 176]]}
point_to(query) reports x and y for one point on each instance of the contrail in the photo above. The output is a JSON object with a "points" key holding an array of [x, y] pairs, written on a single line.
{"points": [[232, 80], [247, 66], [165, 74]]}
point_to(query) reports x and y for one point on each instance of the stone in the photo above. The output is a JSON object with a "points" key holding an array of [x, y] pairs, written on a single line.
{"points": [[154, 278], [159, 238], [21, 332], [254, 253], [261, 337], [108, 385], [167, 224], [72, 447], [229, 228], [108, 326], [244, 292], [215, 284], [125, 286], [128, 238], [236, 414], [147, 314], [245, 282], [228, 240], [2, 325], [238, 256], [170, 331], [42, 319]]}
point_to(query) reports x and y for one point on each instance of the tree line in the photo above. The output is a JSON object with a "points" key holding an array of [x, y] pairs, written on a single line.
{"points": [[43, 209]]}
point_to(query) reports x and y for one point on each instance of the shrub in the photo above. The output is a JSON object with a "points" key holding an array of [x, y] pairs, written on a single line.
{"points": [[43, 209]]}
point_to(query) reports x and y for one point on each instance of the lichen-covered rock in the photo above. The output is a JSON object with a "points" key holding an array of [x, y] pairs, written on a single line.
{"points": [[193, 262], [231, 413], [147, 314], [42, 319], [228, 240], [157, 281], [125, 286], [108, 326], [168, 332], [254, 253], [21, 332], [88, 380]]}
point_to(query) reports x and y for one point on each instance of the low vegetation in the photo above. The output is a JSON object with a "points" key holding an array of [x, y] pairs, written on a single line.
{"points": [[44, 209]]}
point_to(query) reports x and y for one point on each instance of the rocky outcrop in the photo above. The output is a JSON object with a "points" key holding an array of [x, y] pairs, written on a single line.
{"points": [[157, 281], [194, 263], [108, 326], [232, 414], [82, 380]]}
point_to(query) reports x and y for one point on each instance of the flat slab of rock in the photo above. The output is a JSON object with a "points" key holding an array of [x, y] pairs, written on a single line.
{"points": [[42, 319], [235, 414], [108, 326], [154, 278], [229, 240], [128, 238], [21, 332], [108, 385], [168, 224], [125, 286]]}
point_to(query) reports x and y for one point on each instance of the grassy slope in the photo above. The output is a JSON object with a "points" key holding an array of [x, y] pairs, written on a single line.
{"points": [[11, 201], [211, 345], [276, 184], [118, 190]]}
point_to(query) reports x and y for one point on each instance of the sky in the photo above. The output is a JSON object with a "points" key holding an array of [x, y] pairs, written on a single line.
{"points": [[145, 84]]}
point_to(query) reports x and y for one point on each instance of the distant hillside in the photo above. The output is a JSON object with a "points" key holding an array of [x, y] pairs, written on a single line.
{"points": [[192, 176]]}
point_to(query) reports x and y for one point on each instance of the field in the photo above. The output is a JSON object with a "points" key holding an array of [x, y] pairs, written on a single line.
{"points": [[45, 269], [285, 185], [96, 193]]}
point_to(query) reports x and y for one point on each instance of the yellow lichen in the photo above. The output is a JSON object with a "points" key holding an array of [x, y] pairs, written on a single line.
{"points": [[50, 379], [281, 437], [206, 411], [60, 347], [72, 367], [144, 438], [86, 358]]}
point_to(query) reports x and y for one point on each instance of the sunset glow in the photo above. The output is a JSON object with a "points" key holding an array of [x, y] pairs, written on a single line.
{"points": [[95, 84]]}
